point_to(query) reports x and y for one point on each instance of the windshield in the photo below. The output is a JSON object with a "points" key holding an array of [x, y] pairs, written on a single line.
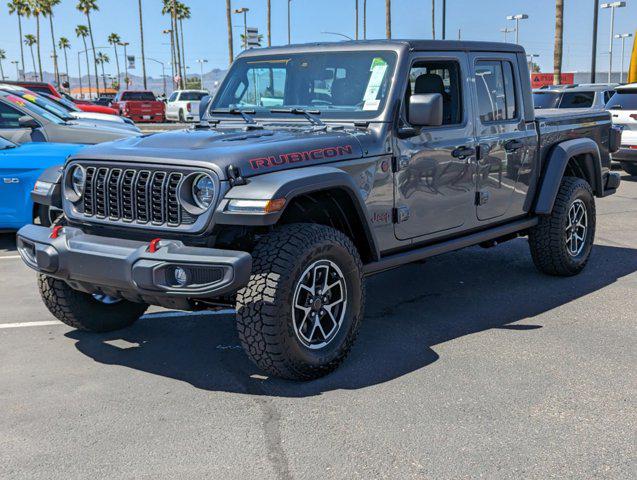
{"points": [[623, 100], [192, 96], [338, 84], [34, 109], [546, 99], [62, 102], [138, 96], [4, 143], [577, 99], [45, 103]]}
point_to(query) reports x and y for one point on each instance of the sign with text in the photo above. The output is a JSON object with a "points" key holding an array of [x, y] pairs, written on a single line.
{"points": [[543, 79]]}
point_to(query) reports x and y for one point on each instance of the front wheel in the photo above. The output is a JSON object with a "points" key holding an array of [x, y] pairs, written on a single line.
{"points": [[300, 313], [630, 168], [561, 243], [94, 313]]}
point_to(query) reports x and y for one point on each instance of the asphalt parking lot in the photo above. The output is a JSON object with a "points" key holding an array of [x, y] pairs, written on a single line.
{"points": [[471, 365]]}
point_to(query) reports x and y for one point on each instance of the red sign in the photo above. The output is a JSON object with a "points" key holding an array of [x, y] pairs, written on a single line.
{"points": [[541, 79]]}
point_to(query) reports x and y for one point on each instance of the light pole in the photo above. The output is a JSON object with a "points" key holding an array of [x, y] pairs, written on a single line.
{"points": [[125, 44], [163, 72], [531, 56], [517, 18], [201, 61], [245, 11], [289, 36], [594, 47], [623, 36], [506, 31], [17, 70], [612, 6]]}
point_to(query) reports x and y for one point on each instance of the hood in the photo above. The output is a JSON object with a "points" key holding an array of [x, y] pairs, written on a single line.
{"points": [[103, 123], [97, 116], [253, 152], [37, 155]]}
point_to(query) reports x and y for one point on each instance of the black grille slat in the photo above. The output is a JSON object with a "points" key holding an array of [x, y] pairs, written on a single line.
{"points": [[131, 195]]}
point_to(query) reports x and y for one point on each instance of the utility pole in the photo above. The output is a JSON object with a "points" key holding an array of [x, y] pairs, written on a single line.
{"points": [[612, 6], [125, 44], [517, 18], [594, 52], [623, 37], [444, 19], [289, 25]]}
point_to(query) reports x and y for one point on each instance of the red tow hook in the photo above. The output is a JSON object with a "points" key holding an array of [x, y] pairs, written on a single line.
{"points": [[153, 246], [55, 232]]}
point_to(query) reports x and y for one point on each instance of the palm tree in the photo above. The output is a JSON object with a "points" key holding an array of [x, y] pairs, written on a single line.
{"points": [[269, 24], [64, 45], [365, 19], [82, 32], [47, 10], [229, 22], [30, 40], [433, 19], [86, 7], [102, 58], [388, 18], [356, 17], [114, 39], [167, 9], [3, 56], [21, 9], [183, 13], [559, 38], [141, 34], [37, 9]]}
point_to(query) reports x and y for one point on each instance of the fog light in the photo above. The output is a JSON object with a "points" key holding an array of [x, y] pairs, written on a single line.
{"points": [[181, 277]]}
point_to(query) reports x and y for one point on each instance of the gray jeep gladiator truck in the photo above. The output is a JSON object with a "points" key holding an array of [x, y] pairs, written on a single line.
{"points": [[313, 167]]}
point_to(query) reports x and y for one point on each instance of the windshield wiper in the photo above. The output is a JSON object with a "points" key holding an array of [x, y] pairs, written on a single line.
{"points": [[309, 114], [245, 114]]}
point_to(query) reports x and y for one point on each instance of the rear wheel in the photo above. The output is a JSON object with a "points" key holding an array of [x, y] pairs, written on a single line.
{"points": [[630, 168], [299, 314], [94, 313], [182, 118], [561, 243]]}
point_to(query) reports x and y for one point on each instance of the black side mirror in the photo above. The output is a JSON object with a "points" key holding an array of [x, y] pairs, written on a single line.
{"points": [[425, 109], [26, 121], [203, 106]]}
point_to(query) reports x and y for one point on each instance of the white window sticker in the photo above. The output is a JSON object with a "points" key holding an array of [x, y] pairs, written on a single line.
{"points": [[371, 105], [378, 69]]}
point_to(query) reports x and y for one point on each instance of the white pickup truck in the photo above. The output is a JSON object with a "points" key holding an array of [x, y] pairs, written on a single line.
{"points": [[183, 105]]}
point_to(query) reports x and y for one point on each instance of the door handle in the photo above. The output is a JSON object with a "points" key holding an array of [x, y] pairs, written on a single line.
{"points": [[463, 152], [513, 145]]}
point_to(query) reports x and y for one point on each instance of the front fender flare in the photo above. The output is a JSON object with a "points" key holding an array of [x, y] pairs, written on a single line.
{"points": [[51, 175]]}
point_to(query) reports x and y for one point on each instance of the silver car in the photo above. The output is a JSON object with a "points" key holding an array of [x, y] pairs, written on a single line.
{"points": [[22, 121]]}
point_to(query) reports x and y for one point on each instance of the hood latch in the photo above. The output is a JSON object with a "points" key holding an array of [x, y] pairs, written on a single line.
{"points": [[234, 176]]}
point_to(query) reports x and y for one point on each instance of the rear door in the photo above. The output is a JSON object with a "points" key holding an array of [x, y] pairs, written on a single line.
{"points": [[506, 142]]}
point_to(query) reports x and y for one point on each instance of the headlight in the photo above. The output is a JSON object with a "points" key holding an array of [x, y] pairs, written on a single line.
{"points": [[78, 178], [203, 191]]}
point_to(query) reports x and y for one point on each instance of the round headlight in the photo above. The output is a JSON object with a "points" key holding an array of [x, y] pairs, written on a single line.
{"points": [[203, 191], [78, 178]]}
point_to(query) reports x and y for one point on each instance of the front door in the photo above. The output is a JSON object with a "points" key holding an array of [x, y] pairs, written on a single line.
{"points": [[10, 128], [505, 140], [434, 179]]}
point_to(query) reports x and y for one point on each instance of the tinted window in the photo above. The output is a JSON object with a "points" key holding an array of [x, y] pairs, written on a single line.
{"points": [[173, 97], [5, 143], [192, 96], [39, 88], [438, 77], [9, 116], [626, 100], [577, 99], [608, 95], [496, 91], [546, 99], [138, 96]]}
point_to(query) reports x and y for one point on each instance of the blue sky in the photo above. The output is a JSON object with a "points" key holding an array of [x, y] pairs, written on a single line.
{"points": [[206, 37]]}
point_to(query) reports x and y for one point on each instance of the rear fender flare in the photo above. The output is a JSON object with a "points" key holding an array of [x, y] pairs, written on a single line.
{"points": [[556, 163]]}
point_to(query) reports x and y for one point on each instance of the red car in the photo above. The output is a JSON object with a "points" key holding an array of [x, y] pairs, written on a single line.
{"points": [[43, 87], [140, 106]]}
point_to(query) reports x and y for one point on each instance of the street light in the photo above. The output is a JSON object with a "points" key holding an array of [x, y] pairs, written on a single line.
{"points": [[125, 44], [612, 6], [17, 70], [201, 61], [623, 36], [289, 41], [339, 34], [245, 11], [506, 31], [531, 56], [163, 72], [517, 18]]}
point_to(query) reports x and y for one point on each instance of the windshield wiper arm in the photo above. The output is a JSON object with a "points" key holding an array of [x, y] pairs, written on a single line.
{"points": [[245, 114], [309, 114]]}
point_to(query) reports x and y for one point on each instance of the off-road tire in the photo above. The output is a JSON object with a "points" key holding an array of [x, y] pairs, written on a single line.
{"points": [[80, 310], [264, 306], [547, 240], [44, 216], [629, 168]]}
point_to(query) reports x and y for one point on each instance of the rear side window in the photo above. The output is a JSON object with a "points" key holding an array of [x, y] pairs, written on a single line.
{"points": [[173, 97], [138, 96], [9, 116], [191, 96], [495, 87], [608, 94], [577, 100], [546, 99], [623, 100]]}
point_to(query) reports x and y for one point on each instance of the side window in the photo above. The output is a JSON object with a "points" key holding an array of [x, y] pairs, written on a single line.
{"points": [[173, 97], [577, 100], [608, 94], [495, 86], [9, 116], [441, 77]]}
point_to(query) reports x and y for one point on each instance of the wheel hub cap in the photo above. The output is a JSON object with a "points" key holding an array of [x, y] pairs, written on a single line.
{"points": [[576, 228], [319, 304]]}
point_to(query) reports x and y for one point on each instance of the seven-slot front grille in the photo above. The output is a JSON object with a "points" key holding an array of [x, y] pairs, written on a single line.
{"points": [[134, 195]]}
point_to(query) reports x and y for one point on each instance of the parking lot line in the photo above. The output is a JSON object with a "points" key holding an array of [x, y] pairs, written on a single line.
{"points": [[30, 324], [7, 257]]}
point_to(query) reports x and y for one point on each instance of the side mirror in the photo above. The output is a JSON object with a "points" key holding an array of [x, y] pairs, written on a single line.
{"points": [[26, 121], [203, 106], [425, 109]]}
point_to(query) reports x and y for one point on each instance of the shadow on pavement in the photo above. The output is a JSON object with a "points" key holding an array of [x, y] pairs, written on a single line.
{"points": [[7, 242], [409, 311]]}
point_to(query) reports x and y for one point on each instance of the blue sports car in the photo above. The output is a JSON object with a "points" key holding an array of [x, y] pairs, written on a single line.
{"points": [[20, 167]]}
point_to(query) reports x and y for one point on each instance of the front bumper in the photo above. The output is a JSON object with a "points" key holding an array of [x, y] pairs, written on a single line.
{"points": [[625, 154], [129, 269]]}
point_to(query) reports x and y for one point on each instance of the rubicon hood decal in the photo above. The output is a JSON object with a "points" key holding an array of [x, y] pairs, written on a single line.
{"points": [[326, 153]]}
